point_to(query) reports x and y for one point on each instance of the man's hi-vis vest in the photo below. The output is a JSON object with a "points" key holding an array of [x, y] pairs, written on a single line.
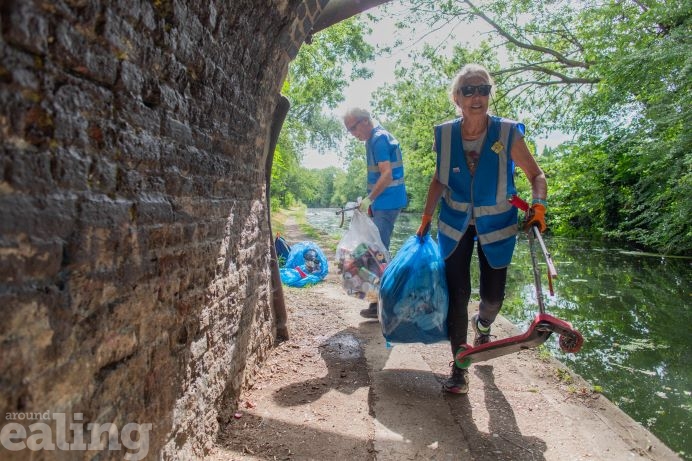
{"points": [[394, 195], [484, 194]]}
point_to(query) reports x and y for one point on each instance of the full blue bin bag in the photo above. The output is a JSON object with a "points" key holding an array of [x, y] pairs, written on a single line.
{"points": [[413, 299], [305, 265]]}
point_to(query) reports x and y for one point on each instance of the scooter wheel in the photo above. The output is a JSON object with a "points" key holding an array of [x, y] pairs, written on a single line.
{"points": [[571, 342], [464, 362]]}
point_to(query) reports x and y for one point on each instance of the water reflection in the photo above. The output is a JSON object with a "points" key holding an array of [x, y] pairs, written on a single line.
{"points": [[633, 310]]}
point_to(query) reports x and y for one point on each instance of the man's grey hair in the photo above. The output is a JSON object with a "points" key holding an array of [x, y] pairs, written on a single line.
{"points": [[357, 113]]}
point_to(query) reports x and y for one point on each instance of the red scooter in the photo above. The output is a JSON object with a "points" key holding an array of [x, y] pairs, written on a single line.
{"points": [[543, 324]]}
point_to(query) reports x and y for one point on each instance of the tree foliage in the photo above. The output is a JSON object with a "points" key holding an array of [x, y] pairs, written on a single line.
{"points": [[616, 75], [315, 82], [613, 75]]}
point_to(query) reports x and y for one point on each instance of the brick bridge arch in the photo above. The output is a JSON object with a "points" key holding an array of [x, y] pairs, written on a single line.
{"points": [[134, 235]]}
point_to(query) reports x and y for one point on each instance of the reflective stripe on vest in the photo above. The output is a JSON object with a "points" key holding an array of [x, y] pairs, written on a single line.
{"points": [[453, 204], [500, 234], [395, 182], [397, 164], [446, 156], [397, 170]]}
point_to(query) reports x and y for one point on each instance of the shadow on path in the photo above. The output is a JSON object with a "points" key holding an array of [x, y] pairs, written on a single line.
{"points": [[416, 395], [504, 440], [347, 371]]}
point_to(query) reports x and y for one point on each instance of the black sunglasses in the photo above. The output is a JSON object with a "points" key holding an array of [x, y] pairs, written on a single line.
{"points": [[470, 90]]}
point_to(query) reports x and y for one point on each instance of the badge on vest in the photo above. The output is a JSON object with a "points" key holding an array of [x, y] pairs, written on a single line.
{"points": [[456, 169], [497, 147]]}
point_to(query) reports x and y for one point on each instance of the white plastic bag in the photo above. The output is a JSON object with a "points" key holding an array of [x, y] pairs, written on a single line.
{"points": [[361, 258]]}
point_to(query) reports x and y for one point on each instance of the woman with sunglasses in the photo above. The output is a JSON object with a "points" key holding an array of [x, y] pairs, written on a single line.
{"points": [[474, 177]]}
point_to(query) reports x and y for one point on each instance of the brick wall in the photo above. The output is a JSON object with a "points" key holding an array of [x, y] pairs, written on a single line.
{"points": [[134, 242]]}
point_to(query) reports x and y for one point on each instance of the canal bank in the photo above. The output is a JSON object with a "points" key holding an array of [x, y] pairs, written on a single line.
{"points": [[334, 391]]}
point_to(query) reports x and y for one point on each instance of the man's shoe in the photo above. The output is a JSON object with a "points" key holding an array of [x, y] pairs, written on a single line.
{"points": [[482, 333], [458, 382], [370, 312]]}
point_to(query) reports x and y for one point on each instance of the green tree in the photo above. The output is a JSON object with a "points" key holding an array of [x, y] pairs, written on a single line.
{"points": [[617, 76], [316, 80], [324, 183], [353, 184]]}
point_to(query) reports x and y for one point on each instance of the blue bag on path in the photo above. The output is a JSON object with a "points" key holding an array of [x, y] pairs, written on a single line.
{"points": [[283, 249], [305, 265], [413, 300]]}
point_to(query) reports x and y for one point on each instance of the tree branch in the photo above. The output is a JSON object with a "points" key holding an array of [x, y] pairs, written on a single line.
{"points": [[565, 79], [528, 46]]}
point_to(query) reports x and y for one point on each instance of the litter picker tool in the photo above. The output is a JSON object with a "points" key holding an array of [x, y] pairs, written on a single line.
{"points": [[343, 211]]}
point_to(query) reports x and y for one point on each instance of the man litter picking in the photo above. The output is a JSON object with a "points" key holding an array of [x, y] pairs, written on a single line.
{"points": [[386, 190]]}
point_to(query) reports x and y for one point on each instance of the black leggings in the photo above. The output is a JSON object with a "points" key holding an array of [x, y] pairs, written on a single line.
{"points": [[492, 288]]}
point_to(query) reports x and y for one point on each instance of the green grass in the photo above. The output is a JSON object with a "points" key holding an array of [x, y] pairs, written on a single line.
{"points": [[280, 217]]}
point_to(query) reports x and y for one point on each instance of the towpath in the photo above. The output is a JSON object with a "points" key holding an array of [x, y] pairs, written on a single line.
{"points": [[334, 391]]}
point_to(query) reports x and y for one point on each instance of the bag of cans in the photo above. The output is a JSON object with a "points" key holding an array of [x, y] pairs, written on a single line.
{"points": [[361, 258]]}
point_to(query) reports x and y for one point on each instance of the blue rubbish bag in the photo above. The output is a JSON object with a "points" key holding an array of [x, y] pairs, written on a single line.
{"points": [[305, 265], [413, 299], [283, 249]]}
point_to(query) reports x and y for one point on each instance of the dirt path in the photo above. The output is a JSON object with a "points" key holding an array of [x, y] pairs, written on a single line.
{"points": [[334, 391]]}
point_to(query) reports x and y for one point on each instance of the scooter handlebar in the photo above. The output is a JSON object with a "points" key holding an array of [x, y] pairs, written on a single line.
{"points": [[519, 203]]}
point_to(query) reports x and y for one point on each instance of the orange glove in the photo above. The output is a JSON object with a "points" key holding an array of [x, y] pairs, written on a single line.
{"points": [[424, 227], [536, 217]]}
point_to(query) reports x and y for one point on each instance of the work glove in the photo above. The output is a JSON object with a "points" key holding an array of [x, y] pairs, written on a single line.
{"points": [[424, 227], [364, 205], [536, 217]]}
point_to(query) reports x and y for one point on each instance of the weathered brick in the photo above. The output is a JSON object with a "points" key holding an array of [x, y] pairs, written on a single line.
{"points": [[83, 56], [132, 212], [27, 28]]}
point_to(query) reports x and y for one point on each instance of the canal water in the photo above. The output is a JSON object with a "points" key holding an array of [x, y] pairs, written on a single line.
{"points": [[633, 309]]}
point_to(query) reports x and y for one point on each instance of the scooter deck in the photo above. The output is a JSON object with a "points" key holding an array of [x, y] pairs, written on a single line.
{"points": [[538, 332]]}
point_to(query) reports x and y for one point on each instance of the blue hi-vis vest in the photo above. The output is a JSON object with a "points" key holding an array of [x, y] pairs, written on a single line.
{"points": [[394, 196], [484, 194]]}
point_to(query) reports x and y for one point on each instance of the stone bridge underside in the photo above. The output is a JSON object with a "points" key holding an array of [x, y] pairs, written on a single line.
{"points": [[135, 247]]}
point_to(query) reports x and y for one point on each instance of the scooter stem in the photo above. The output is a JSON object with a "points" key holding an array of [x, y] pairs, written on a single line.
{"points": [[536, 273], [552, 272]]}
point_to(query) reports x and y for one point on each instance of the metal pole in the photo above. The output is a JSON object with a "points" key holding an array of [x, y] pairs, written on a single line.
{"points": [[536, 273]]}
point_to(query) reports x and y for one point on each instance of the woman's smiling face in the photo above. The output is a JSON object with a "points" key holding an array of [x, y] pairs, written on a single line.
{"points": [[476, 104]]}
